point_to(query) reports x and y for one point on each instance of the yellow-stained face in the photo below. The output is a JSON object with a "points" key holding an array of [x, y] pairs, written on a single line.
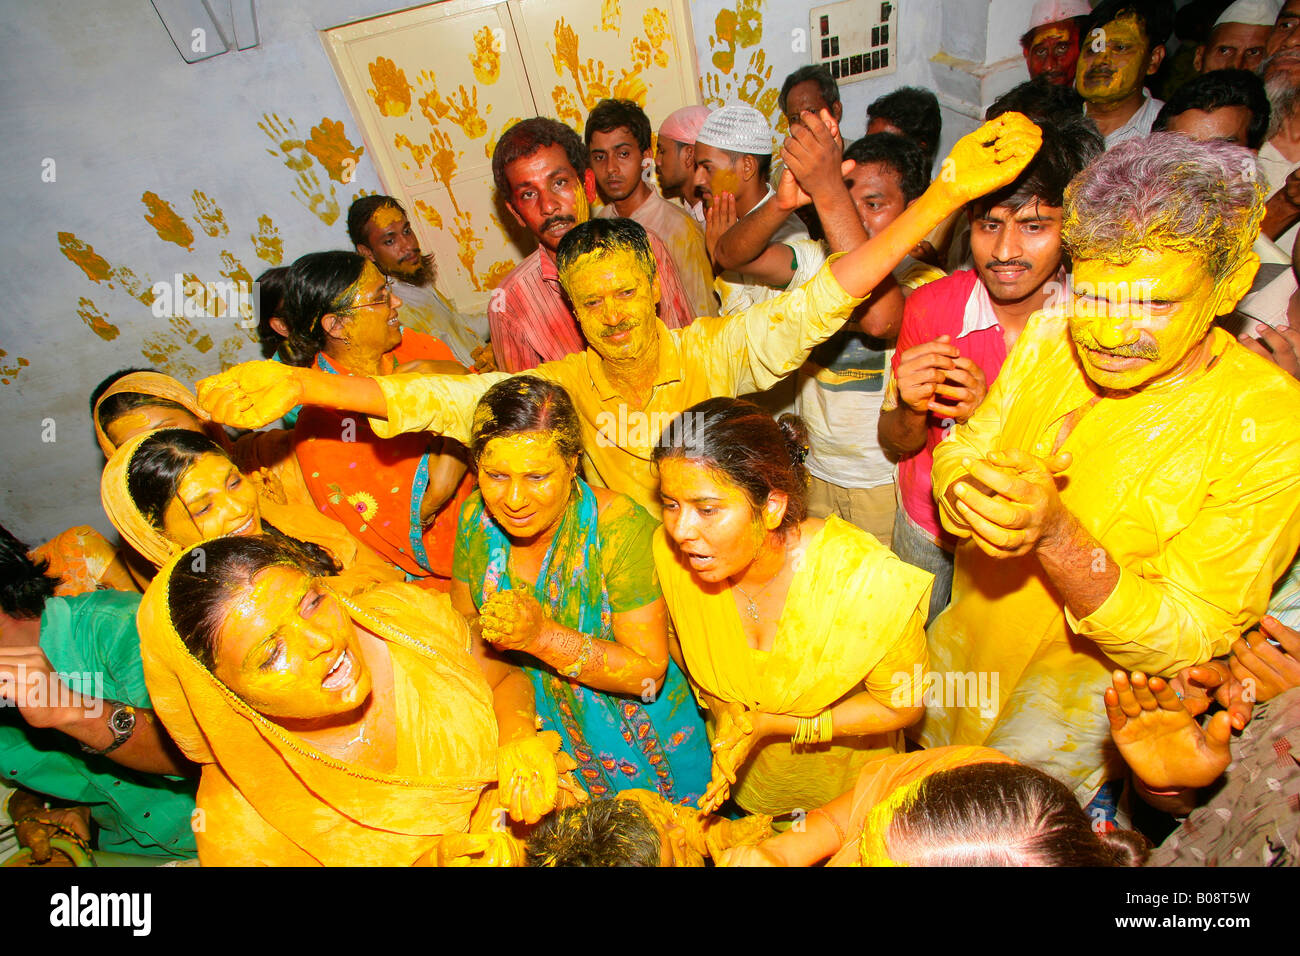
{"points": [[616, 303], [1139, 323], [212, 500], [716, 172], [716, 529], [1114, 59], [525, 483], [370, 321], [149, 418], [289, 649]]}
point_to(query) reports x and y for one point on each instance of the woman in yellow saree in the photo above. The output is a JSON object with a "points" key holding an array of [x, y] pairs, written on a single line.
{"points": [[165, 490], [331, 731], [143, 401], [951, 806], [803, 638]]}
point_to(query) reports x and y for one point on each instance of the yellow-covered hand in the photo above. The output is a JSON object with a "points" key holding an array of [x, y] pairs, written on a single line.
{"points": [[251, 394], [732, 742], [511, 620], [527, 775], [987, 159]]}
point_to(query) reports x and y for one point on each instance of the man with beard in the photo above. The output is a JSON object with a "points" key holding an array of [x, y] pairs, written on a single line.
{"points": [[380, 231], [1279, 158], [618, 147], [1123, 44], [1051, 44], [956, 333], [540, 169]]}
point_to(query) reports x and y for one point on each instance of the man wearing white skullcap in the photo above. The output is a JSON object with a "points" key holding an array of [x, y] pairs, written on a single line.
{"points": [[675, 157], [733, 156], [1051, 44], [1236, 42], [1279, 158]]}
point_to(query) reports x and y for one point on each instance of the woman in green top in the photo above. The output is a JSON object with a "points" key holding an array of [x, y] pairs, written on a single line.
{"points": [[559, 575]]}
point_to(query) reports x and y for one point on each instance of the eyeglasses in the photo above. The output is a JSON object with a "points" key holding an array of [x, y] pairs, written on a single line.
{"points": [[386, 300]]}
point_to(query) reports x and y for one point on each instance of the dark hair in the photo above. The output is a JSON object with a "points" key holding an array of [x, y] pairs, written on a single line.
{"points": [[1220, 89], [608, 832], [269, 301], [610, 115], [1003, 814], [527, 137], [900, 154], [24, 588], [361, 211], [109, 381], [1068, 146], [915, 111], [209, 574], [830, 90], [521, 404], [603, 236], [160, 463], [1038, 100], [743, 443], [1155, 16], [316, 284]]}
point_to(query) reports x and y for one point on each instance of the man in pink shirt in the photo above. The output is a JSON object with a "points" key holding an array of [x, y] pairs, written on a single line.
{"points": [[540, 168], [956, 333]]}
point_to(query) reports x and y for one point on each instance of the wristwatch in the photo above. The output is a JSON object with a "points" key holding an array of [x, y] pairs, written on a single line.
{"points": [[121, 721]]}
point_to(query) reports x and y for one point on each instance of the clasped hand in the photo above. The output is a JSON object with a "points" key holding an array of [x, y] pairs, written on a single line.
{"points": [[1012, 505], [511, 620], [733, 740]]}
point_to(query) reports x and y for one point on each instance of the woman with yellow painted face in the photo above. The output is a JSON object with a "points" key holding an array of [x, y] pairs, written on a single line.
{"points": [[140, 400], [331, 731], [804, 638], [951, 806], [558, 577], [167, 489]]}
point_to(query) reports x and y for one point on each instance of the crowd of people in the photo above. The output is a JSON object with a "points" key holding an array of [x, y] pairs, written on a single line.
{"points": [[806, 502]]}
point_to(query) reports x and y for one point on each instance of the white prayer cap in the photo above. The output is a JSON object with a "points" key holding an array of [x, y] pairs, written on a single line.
{"points": [[738, 128], [1054, 11], [1255, 13]]}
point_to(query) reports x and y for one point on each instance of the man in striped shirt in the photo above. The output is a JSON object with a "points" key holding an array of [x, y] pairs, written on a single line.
{"points": [[540, 168]]}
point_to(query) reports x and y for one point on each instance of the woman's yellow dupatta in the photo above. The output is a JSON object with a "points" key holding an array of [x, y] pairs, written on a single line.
{"points": [[145, 383], [268, 796], [849, 602]]}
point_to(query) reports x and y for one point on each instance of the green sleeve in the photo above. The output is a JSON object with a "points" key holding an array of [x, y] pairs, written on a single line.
{"points": [[627, 556]]}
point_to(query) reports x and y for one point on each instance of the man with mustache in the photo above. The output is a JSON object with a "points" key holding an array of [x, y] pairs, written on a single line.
{"points": [[956, 334], [1051, 44], [1279, 158], [380, 231], [1129, 489], [1123, 43], [637, 375], [541, 172]]}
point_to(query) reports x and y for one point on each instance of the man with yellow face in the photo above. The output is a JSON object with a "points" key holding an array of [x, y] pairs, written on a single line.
{"points": [[1130, 488], [637, 374], [1123, 43]]}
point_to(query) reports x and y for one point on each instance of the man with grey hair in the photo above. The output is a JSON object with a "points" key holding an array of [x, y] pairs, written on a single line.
{"points": [[1237, 39], [1129, 489]]}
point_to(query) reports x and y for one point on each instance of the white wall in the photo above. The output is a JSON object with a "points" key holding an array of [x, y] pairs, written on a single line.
{"points": [[97, 86]]}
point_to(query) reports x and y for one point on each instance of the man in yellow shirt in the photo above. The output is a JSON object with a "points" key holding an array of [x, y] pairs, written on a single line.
{"points": [[636, 375], [1130, 488]]}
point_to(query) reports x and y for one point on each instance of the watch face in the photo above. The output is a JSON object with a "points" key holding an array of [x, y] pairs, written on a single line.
{"points": [[123, 721]]}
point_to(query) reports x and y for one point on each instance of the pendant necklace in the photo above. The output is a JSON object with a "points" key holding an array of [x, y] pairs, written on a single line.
{"points": [[752, 610]]}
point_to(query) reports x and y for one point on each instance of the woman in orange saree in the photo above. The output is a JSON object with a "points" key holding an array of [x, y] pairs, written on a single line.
{"points": [[401, 496]]}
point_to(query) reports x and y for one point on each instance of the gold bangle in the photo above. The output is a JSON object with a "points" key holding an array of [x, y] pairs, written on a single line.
{"points": [[824, 726]]}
